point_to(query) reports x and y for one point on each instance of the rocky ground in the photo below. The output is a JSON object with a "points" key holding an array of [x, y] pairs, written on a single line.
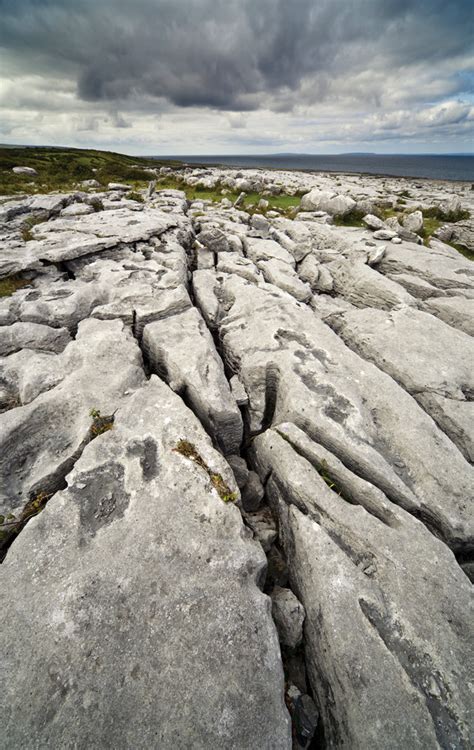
{"points": [[236, 457]]}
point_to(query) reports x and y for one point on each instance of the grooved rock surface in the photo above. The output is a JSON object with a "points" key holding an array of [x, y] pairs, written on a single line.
{"points": [[140, 623], [142, 342], [386, 605]]}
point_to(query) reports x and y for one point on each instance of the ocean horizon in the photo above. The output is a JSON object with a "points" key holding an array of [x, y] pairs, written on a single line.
{"points": [[454, 167]]}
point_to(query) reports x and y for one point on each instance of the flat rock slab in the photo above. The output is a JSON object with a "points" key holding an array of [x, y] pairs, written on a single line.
{"points": [[73, 237], [294, 367], [432, 361], [388, 609], [140, 624], [363, 286], [38, 441], [180, 348]]}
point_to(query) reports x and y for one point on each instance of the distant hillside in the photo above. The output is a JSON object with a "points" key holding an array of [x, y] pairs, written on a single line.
{"points": [[63, 168]]}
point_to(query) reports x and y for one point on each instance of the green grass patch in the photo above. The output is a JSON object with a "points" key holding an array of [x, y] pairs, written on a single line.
{"points": [[134, 196], [11, 284], [429, 228], [354, 219], [469, 254], [28, 225]]}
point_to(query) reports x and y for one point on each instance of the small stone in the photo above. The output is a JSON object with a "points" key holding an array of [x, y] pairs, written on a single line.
{"points": [[117, 186], [396, 240], [240, 470], [414, 222], [263, 526], [238, 391], [375, 256], [289, 614], [373, 222], [25, 170], [277, 570], [239, 200], [252, 493], [324, 282], [90, 184], [384, 234], [305, 719]]}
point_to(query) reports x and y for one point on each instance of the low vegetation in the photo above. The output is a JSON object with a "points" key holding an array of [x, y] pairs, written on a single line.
{"points": [[28, 225], [61, 169], [10, 284], [188, 450]]}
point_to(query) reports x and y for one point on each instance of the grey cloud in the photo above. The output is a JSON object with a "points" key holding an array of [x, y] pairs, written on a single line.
{"points": [[238, 55]]}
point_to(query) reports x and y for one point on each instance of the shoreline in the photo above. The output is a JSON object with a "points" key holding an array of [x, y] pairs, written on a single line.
{"points": [[379, 175]]}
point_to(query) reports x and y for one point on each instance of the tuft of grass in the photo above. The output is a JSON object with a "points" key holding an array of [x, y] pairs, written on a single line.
{"points": [[354, 219], [189, 451], [134, 196], [469, 254], [100, 424], [28, 225], [11, 284], [429, 228]]}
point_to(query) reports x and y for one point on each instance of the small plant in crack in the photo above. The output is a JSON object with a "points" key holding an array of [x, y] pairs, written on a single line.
{"points": [[189, 451], [35, 505], [100, 424], [28, 225]]}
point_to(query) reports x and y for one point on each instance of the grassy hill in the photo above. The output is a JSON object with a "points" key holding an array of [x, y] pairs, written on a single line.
{"points": [[63, 168]]}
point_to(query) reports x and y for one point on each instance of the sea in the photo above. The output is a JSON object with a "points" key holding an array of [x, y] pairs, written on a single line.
{"points": [[436, 167]]}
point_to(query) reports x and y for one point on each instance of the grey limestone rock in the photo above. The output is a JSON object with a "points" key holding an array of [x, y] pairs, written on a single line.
{"points": [[181, 350], [364, 630], [142, 599], [435, 366], [288, 614], [32, 336]]}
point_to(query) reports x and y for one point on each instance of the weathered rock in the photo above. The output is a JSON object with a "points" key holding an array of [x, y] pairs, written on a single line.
{"points": [[335, 205], [181, 350], [132, 498], [363, 630], [413, 222], [375, 255], [281, 275], [309, 270], [239, 470], [90, 184], [32, 336], [324, 281], [25, 170], [456, 311], [252, 493], [444, 269], [365, 287], [435, 366], [263, 526], [118, 186], [288, 614], [295, 368], [261, 250], [384, 234], [214, 239], [373, 222], [39, 441], [77, 209]]}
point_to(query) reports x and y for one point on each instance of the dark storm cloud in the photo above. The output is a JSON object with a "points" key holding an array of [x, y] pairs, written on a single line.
{"points": [[229, 54]]}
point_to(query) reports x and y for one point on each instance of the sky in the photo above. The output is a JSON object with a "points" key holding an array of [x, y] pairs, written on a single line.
{"points": [[238, 76]]}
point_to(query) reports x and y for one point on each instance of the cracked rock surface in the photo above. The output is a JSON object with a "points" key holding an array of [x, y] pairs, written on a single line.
{"points": [[209, 415]]}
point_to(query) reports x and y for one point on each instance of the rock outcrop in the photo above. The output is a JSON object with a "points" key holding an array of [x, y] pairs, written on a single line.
{"points": [[236, 474]]}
